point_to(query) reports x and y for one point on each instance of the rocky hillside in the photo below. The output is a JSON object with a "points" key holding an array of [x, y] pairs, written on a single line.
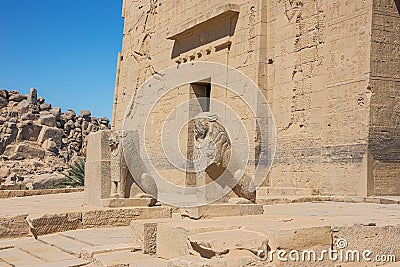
{"points": [[38, 140]]}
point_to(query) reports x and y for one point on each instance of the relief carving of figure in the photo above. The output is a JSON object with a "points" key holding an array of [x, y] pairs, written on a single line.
{"points": [[213, 154], [119, 169], [142, 53]]}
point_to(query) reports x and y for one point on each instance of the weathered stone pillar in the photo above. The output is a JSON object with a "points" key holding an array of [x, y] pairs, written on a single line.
{"points": [[32, 98], [97, 169]]}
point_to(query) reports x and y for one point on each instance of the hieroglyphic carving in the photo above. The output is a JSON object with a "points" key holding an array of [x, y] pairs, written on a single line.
{"points": [[396, 114], [307, 54], [292, 8], [119, 169], [385, 5], [251, 35], [213, 153]]}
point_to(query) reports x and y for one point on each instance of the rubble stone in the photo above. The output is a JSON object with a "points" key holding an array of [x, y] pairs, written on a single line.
{"points": [[3, 102], [70, 114], [17, 97], [23, 106], [48, 135], [48, 120], [29, 132], [85, 113], [45, 106], [24, 151], [50, 132], [56, 111], [4, 93]]}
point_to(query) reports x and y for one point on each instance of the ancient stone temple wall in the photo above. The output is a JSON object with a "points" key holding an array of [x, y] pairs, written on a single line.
{"points": [[328, 69], [384, 132], [318, 87], [161, 34]]}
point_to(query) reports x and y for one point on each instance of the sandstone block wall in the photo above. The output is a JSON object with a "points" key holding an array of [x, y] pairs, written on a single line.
{"points": [[329, 70], [318, 88], [384, 134]]}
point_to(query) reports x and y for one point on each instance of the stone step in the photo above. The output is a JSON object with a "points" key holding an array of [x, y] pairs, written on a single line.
{"points": [[222, 210], [283, 191], [280, 199], [40, 224], [92, 252], [127, 202]]}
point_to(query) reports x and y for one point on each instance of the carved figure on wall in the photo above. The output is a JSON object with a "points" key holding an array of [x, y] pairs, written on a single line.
{"points": [[143, 58], [142, 53]]}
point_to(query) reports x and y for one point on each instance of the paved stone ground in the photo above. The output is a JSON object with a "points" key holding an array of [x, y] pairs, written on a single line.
{"points": [[113, 246], [74, 248], [42, 203]]}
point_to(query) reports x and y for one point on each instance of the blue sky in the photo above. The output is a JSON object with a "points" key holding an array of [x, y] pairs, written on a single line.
{"points": [[67, 49]]}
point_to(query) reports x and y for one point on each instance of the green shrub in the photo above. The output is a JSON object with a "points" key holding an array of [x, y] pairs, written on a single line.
{"points": [[76, 174]]}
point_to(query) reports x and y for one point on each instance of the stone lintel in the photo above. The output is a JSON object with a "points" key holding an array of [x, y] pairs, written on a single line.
{"points": [[220, 13]]}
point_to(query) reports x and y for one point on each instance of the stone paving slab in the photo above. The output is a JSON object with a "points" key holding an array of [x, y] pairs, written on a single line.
{"points": [[119, 258], [42, 251], [66, 244], [148, 263], [18, 257], [26, 193], [100, 237], [92, 252], [66, 263], [37, 205], [107, 247]]}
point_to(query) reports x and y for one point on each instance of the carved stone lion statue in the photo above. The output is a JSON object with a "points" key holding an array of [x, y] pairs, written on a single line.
{"points": [[213, 154]]}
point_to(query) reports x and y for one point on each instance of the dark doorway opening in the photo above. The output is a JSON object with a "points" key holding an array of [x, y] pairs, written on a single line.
{"points": [[203, 94]]}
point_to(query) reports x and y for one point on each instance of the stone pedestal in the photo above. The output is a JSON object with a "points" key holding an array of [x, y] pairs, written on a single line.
{"points": [[97, 169], [98, 176], [127, 202]]}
